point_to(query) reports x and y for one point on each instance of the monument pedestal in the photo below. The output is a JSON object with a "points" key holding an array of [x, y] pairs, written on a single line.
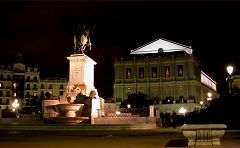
{"points": [[81, 72], [81, 77]]}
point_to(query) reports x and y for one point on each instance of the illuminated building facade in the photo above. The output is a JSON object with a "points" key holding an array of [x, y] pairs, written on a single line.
{"points": [[172, 78], [22, 82]]}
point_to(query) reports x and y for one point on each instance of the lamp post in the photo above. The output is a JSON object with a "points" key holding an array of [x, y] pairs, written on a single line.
{"points": [[183, 111], [229, 78], [15, 105], [201, 103], [209, 98]]}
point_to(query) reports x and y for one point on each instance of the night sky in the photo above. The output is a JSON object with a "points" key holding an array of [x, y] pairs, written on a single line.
{"points": [[43, 32]]}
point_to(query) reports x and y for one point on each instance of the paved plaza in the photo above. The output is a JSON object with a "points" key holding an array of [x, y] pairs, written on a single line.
{"points": [[75, 137]]}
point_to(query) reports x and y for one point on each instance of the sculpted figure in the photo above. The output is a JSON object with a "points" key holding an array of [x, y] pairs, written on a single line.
{"points": [[81, 39]]}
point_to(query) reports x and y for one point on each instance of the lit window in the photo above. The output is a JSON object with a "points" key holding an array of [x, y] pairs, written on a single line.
{"points": [[154, 72], [167, 71], [141, 73], [180, 70], [14, 85], [50, 86], [128, 73]]}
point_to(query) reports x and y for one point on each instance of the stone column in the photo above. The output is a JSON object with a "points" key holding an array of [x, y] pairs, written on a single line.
{"points": [[0, 113], [95, 109], [151, 111]]}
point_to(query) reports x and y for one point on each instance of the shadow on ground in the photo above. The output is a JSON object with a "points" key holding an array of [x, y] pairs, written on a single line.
{"points": [[177, 143]]}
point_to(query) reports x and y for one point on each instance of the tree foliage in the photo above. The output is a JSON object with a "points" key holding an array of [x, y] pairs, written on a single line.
{"points": [[137, 100]]}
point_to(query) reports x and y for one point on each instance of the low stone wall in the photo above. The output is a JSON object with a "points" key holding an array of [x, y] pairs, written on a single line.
{"points": [[48, 111], [120, 120], [24, 119], [203, 134], [125, 120]]}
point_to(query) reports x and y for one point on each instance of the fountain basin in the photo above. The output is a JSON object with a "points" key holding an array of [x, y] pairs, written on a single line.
{"points": [[70, 109]]}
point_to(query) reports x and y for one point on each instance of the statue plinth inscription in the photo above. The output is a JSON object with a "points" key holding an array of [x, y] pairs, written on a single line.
{"points": [[81, 72]]}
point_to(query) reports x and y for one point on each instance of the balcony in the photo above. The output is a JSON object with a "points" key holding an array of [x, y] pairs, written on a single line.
{"points": [[8, 87], [27, 96], [8, 95], [177, 101]]}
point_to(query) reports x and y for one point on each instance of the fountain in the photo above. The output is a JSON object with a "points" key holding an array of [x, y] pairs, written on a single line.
{"points": [[67, 113]]}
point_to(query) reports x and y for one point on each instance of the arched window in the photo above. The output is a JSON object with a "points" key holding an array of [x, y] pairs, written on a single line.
{"points": [[28, 78], [35, 79], [8, 77]]}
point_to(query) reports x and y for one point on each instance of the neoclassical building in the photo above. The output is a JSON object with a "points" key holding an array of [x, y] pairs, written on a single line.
{"points": [[167, 72]]}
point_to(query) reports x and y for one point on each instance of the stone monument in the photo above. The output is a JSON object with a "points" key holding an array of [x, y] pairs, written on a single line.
{"points": [[80, 85]]}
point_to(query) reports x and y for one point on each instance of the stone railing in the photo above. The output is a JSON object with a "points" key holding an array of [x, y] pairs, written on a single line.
{"points": [[203, 134]]}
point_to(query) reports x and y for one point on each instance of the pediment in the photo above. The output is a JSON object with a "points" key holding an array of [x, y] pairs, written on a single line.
{"points": [[161, 45]]}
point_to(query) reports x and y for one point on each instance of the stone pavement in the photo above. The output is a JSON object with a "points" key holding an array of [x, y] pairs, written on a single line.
{"points": [[163, 137]]}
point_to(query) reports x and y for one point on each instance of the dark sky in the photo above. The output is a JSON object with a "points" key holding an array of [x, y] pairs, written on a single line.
{"points": [[43, 32]]}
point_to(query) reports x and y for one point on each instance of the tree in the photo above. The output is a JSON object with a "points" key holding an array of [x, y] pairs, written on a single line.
{"points": [[137, 100]]}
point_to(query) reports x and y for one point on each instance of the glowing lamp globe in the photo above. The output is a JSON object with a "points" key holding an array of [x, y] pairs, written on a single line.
{"points": [[230, 69]]}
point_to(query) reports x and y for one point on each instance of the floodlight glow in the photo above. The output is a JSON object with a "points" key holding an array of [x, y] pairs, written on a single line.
{"points": [[182, 110], [15, 104], [201, 102], [128, 106], [230, 69]]}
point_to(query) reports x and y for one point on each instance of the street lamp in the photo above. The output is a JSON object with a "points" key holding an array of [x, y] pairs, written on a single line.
{"points": [[229, 79], [15, 104], [183, 111], [209, 98], [201, 103]]}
